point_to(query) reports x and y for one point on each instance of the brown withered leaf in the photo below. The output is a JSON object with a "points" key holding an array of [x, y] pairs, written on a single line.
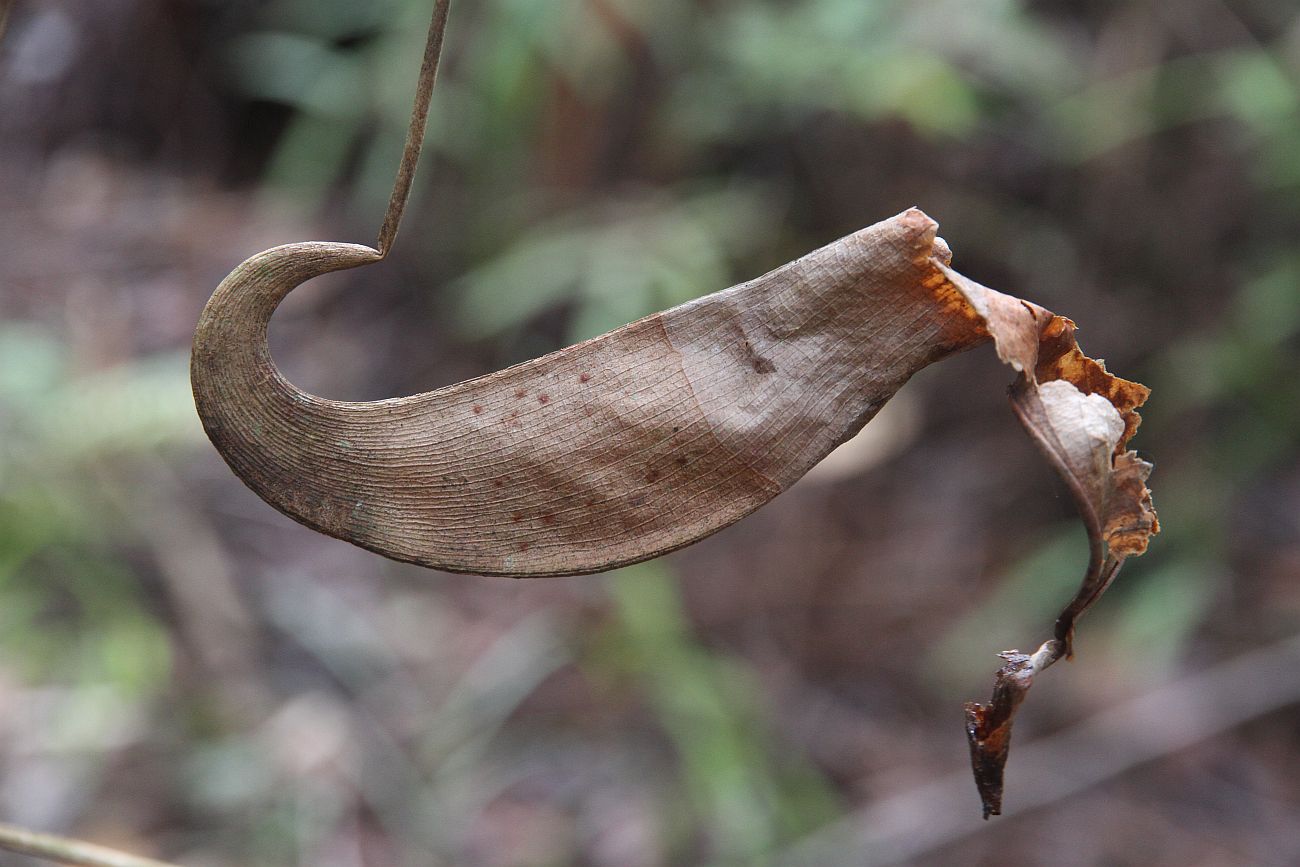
{"points": [[668, 429], [1081, 417], [605, 453]]}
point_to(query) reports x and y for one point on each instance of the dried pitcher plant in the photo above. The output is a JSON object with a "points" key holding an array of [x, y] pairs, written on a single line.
{"points": [[664, 431]]}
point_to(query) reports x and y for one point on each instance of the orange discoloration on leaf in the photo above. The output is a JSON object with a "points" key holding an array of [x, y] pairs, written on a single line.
{"points": [[727, 400], [1081, 417], [1059, 357]]}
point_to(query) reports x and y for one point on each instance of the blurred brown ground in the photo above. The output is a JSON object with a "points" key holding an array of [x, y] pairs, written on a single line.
{"points": [[186, 673]]}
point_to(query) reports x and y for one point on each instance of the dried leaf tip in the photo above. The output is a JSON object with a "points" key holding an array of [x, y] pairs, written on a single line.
{"points": [[988, 727], [1081, 417]]}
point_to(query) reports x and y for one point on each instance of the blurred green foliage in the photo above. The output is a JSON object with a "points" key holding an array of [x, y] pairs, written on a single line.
{"points": [[73, 611], [75, 620], [565, 206], [616, 265], [746, 795]]}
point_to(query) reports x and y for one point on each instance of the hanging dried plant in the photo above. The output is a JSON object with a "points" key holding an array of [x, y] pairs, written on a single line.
{"points": [[661, 432]]}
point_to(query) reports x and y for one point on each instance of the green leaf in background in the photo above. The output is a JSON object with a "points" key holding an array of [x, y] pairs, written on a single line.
{"points": [[750, 796], [619, 263], [73, 611]]}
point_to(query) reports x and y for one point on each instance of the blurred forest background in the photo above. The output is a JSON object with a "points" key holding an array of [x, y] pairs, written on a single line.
{"points": [[187, 674]]}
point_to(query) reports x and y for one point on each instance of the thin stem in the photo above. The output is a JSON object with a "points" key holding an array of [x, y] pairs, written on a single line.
{"points": [[1101, 574], [415, 132], [68, 851]]}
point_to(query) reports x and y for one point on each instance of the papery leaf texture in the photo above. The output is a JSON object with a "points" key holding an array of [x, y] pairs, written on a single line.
{"points": [[659, 433]]}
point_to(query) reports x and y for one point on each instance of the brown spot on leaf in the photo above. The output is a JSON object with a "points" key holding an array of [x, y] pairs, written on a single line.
{"points": [[1079, 414], [586, 377], [543, 398], [756, 361], [478, 410]]}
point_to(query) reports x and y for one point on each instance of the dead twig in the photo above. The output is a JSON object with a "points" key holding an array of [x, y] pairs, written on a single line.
{"points": [[69, 851]]}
